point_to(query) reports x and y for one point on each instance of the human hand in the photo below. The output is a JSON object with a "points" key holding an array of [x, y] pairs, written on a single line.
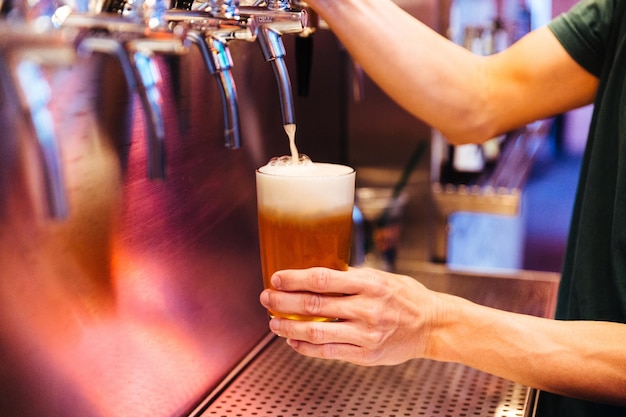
{"points": [[384, 318]]}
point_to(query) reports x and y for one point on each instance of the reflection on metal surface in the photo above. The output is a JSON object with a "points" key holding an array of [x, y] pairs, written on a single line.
{"points": [[139, 302], [146, 296]]}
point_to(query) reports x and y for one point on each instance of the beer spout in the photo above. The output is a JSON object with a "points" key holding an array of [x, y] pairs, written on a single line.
{"points": [[27, 51], [134, 36], [219, 62], [222, 21], [211, 30], [275, 19], [34, 95], [274, 52]]}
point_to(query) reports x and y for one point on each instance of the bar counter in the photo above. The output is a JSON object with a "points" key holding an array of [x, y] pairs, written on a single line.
{"points": [[275, 381]]}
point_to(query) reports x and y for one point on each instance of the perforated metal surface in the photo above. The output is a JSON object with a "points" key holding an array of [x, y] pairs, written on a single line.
{"points": [[282, 383]]}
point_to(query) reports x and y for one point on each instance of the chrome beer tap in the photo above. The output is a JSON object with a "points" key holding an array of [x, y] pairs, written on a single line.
{"points": [[210, 30], [29, 47], [218, 61], [275, 18], [134, 34], [221, 21]]}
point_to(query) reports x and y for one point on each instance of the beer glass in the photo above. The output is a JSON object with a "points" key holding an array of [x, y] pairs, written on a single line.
{"points": [[305, 219]]}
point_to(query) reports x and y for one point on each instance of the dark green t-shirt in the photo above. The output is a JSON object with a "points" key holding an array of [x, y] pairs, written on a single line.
{"points": [[593, 284]]}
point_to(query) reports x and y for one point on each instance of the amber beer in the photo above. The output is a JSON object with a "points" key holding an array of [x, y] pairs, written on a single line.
{"points": [[305, 218]]}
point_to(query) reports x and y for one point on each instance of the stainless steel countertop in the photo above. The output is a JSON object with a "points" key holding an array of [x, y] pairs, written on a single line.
{"points": [[276, 381]]}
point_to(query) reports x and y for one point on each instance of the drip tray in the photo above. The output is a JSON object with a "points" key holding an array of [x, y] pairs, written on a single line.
{"points": [[281, 383]]}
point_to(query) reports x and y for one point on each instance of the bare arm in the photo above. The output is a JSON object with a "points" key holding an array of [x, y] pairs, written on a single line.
{"points": [[388, 319], [467, 97]]}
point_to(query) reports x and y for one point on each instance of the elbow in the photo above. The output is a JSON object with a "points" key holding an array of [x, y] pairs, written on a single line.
{"points": [[471, 128]]}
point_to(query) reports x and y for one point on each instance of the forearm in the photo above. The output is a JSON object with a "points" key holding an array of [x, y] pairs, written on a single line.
{"points": [[580, 359], [468, 98], [391, 45]]}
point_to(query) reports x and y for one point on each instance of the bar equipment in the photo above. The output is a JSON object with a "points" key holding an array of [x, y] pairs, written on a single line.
{"points": [[210, 31], [223, 21], [28, 47], [133, 36]]}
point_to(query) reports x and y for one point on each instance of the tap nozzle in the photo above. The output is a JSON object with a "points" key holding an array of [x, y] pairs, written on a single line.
{"points": [[273, 21], [274, 52], [218, 61]]}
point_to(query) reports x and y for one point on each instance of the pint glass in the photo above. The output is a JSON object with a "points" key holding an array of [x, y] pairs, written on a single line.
{"points": [[305, 219]]}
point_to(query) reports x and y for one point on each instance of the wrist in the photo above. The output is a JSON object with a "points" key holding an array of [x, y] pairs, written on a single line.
{"points": [[448, 318]]}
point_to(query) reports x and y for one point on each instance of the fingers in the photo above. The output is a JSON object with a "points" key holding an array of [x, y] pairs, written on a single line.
{"points": [[329, 340], [342, 352], [323, 292], [306, 304], [324, 280], [384, 318]]}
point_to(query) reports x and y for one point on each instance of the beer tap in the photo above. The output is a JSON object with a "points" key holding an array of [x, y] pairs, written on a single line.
{"points": [[30, 46], [275, 18], [211, 30], [219, 62], [221, 21], [134, 35]]}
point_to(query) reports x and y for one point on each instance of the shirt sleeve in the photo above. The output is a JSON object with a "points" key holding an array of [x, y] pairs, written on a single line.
{"points": [[584, 32]]}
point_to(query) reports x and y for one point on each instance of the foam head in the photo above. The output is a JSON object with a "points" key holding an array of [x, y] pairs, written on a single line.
{"points": [[307, 188]]}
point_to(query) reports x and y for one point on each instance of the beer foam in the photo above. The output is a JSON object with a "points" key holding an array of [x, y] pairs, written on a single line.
{"points": [[283, 165], [307, 188]]}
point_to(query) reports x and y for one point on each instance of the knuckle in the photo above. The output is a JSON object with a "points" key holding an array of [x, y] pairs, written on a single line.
{"points": [[379, 286], [377, 339], [315, 335], [312, 304], [321, 279], [328, 351]]}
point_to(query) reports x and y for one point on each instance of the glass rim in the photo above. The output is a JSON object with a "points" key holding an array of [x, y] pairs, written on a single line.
{"points": [[350, 171]]}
